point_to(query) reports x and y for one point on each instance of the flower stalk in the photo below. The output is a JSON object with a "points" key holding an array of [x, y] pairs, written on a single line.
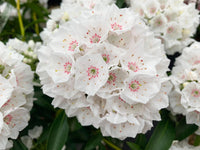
{"points": [[20, 21], [111, 145]]}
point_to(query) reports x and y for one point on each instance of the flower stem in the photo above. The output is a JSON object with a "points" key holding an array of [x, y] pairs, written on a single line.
{"points": [[36, 24], [111, 145], [20, 20]]}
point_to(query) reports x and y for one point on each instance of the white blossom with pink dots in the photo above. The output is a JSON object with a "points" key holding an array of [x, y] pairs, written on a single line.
{"points": [[108, 70], [185, 97], [16, 94], [173, 21]]}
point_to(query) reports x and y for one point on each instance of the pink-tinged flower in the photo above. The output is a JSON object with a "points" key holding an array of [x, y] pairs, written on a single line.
{"points": [[134, 86], [73, 45], [8, 119], [93, 72], [116, 26], [117, 69], [172, 20], [112, 78], [133, 66], [95, 38], [68, 67], [106, 58], [196, 93]]}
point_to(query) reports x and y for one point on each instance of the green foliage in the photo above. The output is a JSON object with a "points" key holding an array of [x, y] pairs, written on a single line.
{"points": [[58, 133], [183, 130], [18, 145], [133, 146]]}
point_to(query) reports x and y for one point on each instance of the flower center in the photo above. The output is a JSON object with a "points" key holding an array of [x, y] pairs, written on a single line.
{"points": [[170, 30], [116, 26], [106, 58], [112, 78], [152, 10], [67, 67], [73, 45], [196, 93], [134, 86], [8, 119], [132, 66], [93, 72], [95, 38], [159, 22]]}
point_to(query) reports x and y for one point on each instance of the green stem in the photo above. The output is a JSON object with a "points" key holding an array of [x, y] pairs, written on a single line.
{"points": [[36, 24], [20, 20], [111, 145]]}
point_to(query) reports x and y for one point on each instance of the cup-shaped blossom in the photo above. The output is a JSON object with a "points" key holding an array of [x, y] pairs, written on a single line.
{"points": [[172, 21], [117, 80], [186, 77], [16, 96]]}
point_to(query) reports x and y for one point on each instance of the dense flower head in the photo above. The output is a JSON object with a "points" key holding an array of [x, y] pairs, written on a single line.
{"points": [[108, 70], [185, 98], [72, 10], [172, 21], [16, 94]]}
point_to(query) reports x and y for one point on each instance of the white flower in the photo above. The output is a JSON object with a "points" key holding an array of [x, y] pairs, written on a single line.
{"points": [[183, 145], [108, 70], [172, 21], [35, 132], [16, 90], [28, 50], [186, 77], [73, 10], [32, 135]]}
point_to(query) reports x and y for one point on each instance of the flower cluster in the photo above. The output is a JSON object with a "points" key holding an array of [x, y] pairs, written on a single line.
{"points": [[28, 50], [108, 70], [172, 21], [16, 94], [185, 98], [70, 10]]}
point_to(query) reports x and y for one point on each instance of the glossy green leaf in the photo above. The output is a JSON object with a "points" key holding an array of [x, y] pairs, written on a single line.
{"points": [[93, 142], [58, 133], [141, 140], [133, 146], [183, 130], [18, 145], [120, 3], [162, 136]]}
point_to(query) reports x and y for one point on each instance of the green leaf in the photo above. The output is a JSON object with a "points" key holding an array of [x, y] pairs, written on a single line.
{"points": [[162, 136], [58, 133], [120, 3], [133, 146], [12, 2], [93, 142], [183, 130], [141, 140], [18, 145]]}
